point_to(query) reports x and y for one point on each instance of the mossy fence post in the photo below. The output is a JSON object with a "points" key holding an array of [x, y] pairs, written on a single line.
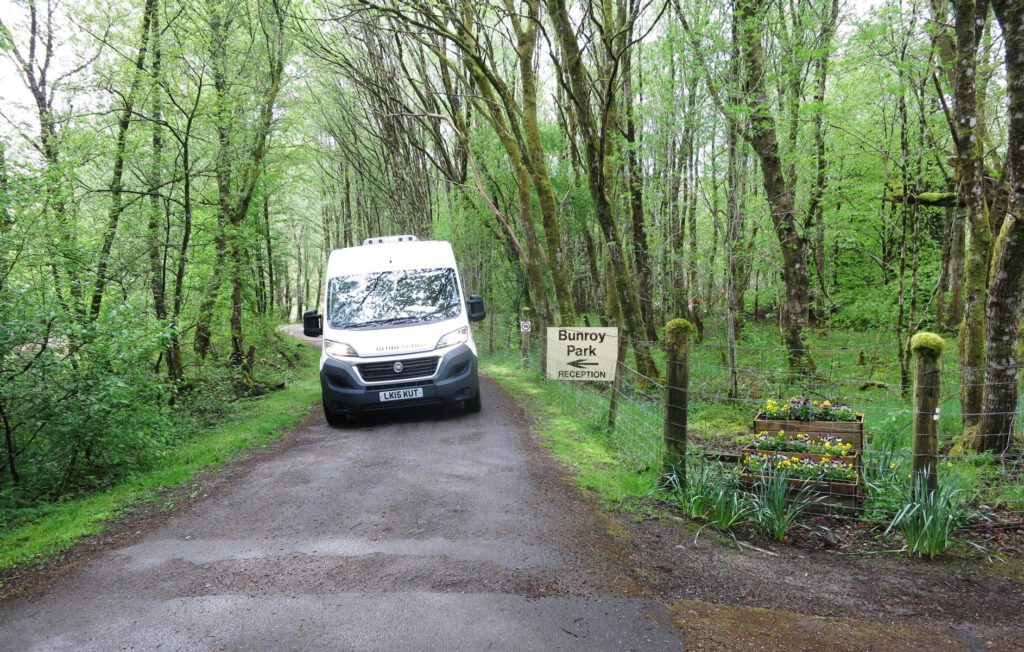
{"points": [[525, 336], [927, 348], [677, 341], [490, 334], [613, 401]]}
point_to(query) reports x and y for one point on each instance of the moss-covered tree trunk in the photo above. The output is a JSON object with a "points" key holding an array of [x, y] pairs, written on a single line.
{"points": [[534, 259], [597, 140], [969, 27], [780, 194], [641, 256], [527, 34], [995, 431]]}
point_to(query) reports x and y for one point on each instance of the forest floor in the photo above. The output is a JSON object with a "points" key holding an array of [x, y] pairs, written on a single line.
{"points": [[826, 585]]}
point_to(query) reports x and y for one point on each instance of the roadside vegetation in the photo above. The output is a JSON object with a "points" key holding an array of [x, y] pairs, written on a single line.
{"points": [[196, 434], [975, 507]]}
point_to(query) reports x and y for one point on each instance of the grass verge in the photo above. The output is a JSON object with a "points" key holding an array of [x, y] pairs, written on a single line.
{"points": [[252, 423], [576, 434]]}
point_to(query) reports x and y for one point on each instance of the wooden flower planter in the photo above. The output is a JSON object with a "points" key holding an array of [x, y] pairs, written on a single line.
{"points": [[849, 432], [842, 492]]}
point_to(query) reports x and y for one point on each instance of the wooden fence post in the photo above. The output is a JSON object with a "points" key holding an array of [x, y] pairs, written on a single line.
{"points": [[525, 336], [677, 341], [927, 348], [613, 403], [490, 334]]}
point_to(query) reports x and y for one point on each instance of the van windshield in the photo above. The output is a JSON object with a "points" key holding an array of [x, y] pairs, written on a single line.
{"points": [[381, 299]]}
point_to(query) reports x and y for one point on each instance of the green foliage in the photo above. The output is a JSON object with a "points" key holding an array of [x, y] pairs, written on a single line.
{"points": [[886, 468], [30, 535], [929, 519], [776, 505], [81, 406], [711, 494]]}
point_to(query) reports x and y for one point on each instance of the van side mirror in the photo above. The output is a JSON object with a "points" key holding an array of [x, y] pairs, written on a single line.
{"points": [[312, 324], [476, 307]]}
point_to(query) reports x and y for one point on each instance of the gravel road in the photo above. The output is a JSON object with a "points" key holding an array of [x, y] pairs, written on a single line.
{"points": [[425, 530]]}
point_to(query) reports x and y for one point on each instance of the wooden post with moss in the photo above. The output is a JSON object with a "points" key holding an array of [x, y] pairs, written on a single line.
{"points": [[613, 402], [490, 334], [927, 349], [525, 336], [677, 341]]}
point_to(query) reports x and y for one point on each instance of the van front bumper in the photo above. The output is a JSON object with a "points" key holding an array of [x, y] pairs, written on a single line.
{"points": [[345, 392]]}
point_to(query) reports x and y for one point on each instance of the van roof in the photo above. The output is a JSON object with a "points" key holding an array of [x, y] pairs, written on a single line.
{"points": [[423, 254]]}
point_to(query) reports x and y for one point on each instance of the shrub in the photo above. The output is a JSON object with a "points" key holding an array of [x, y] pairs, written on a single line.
{"points": [[82, 407]]}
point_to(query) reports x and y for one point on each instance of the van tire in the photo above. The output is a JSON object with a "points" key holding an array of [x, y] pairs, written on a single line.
{"points": [[334, 419], [474, 405]]}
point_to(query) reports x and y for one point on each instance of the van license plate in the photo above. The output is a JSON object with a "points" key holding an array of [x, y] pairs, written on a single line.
{"points": [[401, 394]]}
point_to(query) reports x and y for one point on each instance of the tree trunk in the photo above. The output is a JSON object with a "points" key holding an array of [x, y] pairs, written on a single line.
{"points": [[117, 177], [995, 431], [957, 249], [538, 167], [780, 195], [816, 210], [156, 238], [970, 166], [641, 256], [596, 142]]}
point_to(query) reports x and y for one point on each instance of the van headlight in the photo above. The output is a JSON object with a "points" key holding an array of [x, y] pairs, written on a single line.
{"points": [[453, 338], [338, 350]]}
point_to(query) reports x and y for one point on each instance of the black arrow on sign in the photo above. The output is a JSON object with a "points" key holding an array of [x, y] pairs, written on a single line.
{"points": [[582, 362]]}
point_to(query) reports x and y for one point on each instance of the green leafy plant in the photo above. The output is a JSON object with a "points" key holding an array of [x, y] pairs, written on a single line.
{"points": [[930, 518], [775, 505], [886, 467], [711, 494], [727, 507]]}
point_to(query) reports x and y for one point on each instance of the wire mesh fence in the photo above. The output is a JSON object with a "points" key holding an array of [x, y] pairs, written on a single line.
{"points": [[870, 476]]}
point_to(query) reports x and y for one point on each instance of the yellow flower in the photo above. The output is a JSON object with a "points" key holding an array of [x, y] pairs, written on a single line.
{"points": [[826, 404], [893, 465]]}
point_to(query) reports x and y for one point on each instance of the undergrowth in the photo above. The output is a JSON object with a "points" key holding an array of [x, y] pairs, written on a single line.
{"points": [[31, 535]]}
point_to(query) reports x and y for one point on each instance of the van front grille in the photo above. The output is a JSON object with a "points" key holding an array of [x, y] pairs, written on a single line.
{"points": [[377, 372]]}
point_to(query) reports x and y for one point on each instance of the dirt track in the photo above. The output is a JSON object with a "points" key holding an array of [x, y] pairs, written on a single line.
{"points": [[426, 531]]}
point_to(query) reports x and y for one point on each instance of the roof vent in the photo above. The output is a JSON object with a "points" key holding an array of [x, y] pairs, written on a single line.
{"points": [[390, 239]]}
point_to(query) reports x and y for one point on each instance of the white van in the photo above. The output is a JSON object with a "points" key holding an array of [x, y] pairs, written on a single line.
{"points": [[396, 329]]}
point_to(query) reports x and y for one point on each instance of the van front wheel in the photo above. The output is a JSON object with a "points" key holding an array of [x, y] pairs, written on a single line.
{"points": [[473, 405], [334, 419]]}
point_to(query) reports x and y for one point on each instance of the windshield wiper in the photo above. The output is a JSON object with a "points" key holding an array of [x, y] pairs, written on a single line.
{"points": [[381, 322]]}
